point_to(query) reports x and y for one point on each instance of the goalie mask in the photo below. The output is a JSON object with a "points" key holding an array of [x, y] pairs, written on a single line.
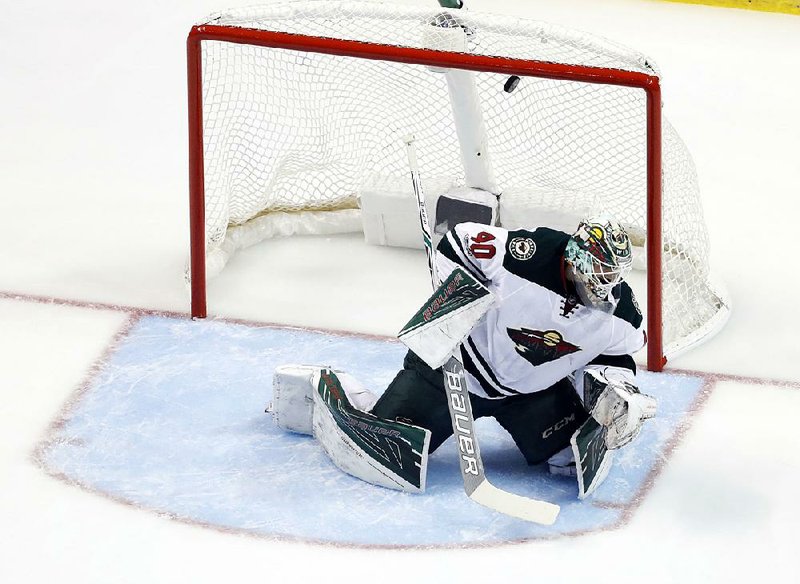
{"points": [[599, 256]]}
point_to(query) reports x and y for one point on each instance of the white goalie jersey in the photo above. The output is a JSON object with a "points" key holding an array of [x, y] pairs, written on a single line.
{"points": [[538, 331]]}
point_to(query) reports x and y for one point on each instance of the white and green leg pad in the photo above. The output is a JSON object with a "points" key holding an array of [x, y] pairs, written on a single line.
{"points": [[333, 407], [382, 452]]}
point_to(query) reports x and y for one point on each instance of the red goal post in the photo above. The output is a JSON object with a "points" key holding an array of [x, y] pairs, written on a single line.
{"points": [[292, 41]]}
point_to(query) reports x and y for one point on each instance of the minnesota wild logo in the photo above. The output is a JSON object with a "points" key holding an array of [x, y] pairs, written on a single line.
{"points": [[522, 248], [539, 347]]}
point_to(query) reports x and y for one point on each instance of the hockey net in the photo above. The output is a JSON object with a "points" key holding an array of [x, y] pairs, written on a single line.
{"points": [[295, 107]]}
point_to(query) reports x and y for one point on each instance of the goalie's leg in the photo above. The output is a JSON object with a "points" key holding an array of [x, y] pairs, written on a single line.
{"points": [[417, 396], [542, 423]]}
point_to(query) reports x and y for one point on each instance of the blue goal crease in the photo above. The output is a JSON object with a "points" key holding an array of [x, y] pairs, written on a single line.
{"points": [[174, 421]]}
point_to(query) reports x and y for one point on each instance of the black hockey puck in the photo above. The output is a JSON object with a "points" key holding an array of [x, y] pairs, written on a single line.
{"points": [[511, 84]]}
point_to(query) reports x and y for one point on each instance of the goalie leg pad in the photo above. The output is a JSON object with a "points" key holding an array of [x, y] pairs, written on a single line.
{"points": [[592, 458], [381, 452], [292, 404]]}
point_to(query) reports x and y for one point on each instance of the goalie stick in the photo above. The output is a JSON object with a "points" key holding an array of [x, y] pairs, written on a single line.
{"points": [[476, 485]]}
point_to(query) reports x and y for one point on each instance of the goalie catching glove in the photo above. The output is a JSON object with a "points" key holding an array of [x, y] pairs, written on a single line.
{"points": [[616, 403]]}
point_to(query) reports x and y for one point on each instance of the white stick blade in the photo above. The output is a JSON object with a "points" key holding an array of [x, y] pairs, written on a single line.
{"points": [[517, 506]]}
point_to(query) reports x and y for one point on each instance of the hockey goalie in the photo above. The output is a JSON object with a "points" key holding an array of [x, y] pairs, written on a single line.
{"points": [[545, 327]]}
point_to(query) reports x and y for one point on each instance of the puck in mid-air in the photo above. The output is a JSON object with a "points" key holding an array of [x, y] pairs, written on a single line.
{"points": [[511, 84]]}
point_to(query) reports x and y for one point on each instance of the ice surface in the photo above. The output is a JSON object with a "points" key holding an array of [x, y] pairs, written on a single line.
{"points": [[174, 422]]}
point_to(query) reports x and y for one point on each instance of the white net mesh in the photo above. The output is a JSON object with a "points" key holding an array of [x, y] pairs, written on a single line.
{"points": [[299, 131]]}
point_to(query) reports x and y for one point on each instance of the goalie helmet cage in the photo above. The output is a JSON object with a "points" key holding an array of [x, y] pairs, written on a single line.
{"points": [[295, 107]]}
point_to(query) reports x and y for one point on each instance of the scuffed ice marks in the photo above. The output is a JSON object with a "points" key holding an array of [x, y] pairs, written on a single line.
{"points": [[174, 422]]}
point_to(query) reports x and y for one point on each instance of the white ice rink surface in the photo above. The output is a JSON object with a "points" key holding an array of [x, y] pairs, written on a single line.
{"points": [[93, 206]]}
